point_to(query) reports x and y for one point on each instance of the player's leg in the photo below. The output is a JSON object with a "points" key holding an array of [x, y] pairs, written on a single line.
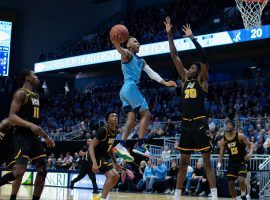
{"points": [[243, 186], [130, 124], [144, 122], [247, 181], [111, 174], [242, 173], [80, 176], [92, 177], [232, 188], [40, 178], [203, 144], [15, 188], [181, 177]]}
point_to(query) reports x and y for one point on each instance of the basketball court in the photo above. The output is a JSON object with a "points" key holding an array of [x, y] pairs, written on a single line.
{"points": [[56, 193]]}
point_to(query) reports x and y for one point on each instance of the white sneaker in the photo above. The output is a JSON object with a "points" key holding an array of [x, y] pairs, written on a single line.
{"points": [[123, 153], [248, 196]]}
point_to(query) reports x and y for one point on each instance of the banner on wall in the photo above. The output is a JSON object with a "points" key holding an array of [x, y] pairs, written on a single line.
{"points": [[56, 179], [27, 177], [86, 182]]}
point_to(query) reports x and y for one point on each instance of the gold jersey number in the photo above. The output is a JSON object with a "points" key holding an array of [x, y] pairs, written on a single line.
{"points": [[36, 112], [234, 150], [190, 93]]}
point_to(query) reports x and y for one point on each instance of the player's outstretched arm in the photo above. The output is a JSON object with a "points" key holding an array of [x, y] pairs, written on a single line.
{"points": [[125, 54], [200, 51], [221, 154], [174, 55], [155, 76], [17, 102], [242, 138]]}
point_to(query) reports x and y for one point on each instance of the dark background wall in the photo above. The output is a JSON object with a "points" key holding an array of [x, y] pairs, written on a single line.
{"points": [[45, 25]]}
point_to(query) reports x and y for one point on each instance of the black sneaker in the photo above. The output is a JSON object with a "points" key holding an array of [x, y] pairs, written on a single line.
{"points": [[95, 192], [72, 185]]}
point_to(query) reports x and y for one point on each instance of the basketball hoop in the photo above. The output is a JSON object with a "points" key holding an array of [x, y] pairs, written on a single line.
{"points": [[251, 11]]}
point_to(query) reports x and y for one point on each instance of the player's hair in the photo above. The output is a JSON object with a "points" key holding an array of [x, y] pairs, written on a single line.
{"points": [[126, 42], [229, 121], [108, 115], [23, 74]]}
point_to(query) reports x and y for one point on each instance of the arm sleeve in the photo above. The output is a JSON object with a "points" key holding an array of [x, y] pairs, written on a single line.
{"points": [[152, 74], [200, 51], [101, 134]]}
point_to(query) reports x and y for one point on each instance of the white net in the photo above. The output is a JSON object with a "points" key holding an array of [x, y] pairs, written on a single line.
{"points": [[251, 11]]}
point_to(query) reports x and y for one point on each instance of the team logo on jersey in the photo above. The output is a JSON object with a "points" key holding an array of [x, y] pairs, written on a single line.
{"points": [[35, 102], [111, 141], [232, 144], [191, 85]]}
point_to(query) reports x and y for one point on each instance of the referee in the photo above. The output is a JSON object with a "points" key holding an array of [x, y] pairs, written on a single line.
{"points": [[85, 169]]}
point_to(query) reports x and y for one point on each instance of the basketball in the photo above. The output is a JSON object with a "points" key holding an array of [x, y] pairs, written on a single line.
{"points": [[119, 33]]}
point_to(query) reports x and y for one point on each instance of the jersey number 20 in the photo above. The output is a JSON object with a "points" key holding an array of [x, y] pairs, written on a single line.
{"points": [[190, 93]]}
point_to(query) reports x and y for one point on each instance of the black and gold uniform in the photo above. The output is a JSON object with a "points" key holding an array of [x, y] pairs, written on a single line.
{"points": [[106, 138], [237, 165], [28, 146], [6, 148], [194, 129]]}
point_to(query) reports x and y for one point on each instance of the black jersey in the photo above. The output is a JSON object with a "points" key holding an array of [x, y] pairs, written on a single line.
{"points": [[30, 108], [106, 138], [236, 150], [193, 95]]}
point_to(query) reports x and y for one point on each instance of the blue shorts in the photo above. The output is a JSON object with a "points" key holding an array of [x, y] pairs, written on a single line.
{"points": [[132, 98]]}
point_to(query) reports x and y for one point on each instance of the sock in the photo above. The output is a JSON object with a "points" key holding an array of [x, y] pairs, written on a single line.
{"points": [[214, 193], [140, 142], [243, 193], [123, 143], [13, 197], [177, 194], [35, 198], [7, 178]]}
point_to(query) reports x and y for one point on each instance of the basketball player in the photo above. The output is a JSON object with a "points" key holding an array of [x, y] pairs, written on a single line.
{"points": [[6, 151], [85, 161], [195, 134], [132, 99], [236, 144], [24, 114], [101, 153]]}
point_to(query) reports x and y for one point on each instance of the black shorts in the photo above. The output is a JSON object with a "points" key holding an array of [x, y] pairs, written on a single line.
{"points": [[27, 146], [104, 164], [195, 136], [235, 170]]}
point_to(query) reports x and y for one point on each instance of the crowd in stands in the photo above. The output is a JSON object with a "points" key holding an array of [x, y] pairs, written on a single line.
{"points": [[146, 25]]}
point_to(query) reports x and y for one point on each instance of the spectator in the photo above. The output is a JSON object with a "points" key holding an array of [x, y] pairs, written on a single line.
{"points": [[127, 178], [165, 155], [148, 172], [75, 162], [67, 162], [196, 178], [160, 172], [171, 178], [266, 144]]}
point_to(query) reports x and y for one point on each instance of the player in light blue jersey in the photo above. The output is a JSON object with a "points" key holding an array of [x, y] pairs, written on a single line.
{"points": [[132, 99]]}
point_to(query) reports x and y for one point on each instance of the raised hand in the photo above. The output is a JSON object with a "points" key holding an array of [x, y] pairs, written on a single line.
{"points": [[168, 24], [187, 30]]}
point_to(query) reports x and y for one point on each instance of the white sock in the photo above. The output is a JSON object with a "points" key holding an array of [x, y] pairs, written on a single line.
{"points": [[214, 193], [177, 194], [243, 193]]}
